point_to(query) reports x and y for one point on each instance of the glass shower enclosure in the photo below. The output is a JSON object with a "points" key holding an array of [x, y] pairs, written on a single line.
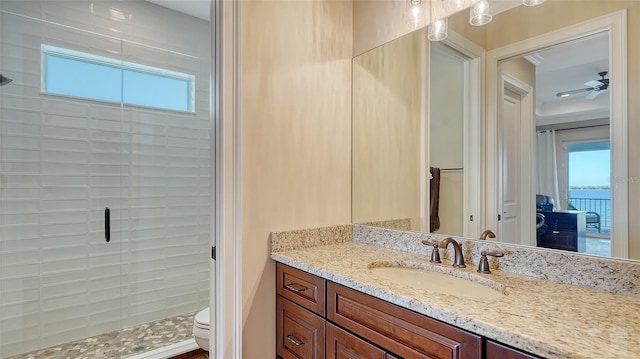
{"points": [[105, 169]]}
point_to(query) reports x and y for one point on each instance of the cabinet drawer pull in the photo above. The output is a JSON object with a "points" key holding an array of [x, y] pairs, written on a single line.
{"points": [[292, 287], [294, 340], [556, 232]]}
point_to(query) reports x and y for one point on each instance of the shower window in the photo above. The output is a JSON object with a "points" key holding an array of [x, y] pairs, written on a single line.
{"points": [[77, 74]]}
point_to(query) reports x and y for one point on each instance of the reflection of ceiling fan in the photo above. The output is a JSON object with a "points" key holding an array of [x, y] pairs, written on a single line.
{"points": [[595, 87]]}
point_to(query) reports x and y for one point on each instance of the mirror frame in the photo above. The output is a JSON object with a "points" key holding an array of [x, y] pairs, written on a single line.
{"points": [[616, 24]]}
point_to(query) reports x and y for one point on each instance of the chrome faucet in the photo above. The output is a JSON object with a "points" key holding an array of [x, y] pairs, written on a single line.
{"points": [[458, 260], [487, 233]]}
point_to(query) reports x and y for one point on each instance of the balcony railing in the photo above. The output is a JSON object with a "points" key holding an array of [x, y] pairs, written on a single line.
{"points": [[598, 212]]}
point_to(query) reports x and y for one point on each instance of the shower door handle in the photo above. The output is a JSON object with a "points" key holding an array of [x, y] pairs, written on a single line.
{"points": [[107, 224]]}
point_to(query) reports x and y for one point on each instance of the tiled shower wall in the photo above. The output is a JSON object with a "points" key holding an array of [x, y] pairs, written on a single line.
{"points": [[63, 160]]}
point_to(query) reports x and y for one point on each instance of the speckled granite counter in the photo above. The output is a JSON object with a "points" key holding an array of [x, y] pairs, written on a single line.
{"points": [[543, 317]]}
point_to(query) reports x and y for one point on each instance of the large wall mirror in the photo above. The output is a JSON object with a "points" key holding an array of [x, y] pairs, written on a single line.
{"points": [[518, 126]]}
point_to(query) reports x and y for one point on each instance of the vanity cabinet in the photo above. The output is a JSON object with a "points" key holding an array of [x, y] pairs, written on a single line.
{"points": [[302, 288], [300, 333], [398, 330], [342, 344], [321, 319], [300, 305]]}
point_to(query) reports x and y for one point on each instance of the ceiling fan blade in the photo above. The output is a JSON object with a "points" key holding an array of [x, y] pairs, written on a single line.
{"points": [[593, 94], [594, 83], [573, 92]]}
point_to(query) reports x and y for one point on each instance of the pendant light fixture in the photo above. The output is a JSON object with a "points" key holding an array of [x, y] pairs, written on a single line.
{"points": [[437, 31], [415, 13], [532, 2], [480, 13]]}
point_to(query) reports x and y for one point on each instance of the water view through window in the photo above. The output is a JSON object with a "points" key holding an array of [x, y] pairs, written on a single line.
{"points": [[590, 183]]}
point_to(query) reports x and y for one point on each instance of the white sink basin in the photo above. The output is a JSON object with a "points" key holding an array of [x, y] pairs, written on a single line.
{"points": [[441, 283]]}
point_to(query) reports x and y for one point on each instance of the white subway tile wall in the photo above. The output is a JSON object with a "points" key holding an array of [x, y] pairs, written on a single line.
{"points": [[63, 160]]}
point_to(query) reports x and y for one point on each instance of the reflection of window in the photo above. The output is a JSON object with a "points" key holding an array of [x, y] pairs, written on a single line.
{"points": [[589, 183], [589, 164], [78, 74]]}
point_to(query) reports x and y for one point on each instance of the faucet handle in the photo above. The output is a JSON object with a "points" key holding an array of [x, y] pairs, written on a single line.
{"points": [[435, 253], [432, 242], [483, 266], [487, 233]]}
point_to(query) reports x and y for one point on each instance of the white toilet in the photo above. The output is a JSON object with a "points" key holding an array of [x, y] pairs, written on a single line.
{"points": [[201, 329]]}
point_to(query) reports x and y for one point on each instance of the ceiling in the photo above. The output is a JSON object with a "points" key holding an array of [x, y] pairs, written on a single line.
{"points": [[197, 8], [567, 67]]}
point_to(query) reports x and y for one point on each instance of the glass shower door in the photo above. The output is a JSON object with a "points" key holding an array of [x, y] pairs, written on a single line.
{"points": [[62, 162], [105, 201], [166, 252]]}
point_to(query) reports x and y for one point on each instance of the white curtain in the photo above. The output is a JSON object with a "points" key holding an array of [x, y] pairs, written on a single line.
{"points": [[547, 167]]}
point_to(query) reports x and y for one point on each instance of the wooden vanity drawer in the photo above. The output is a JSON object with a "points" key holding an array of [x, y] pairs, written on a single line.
{"points": [[342, 344], [400, 331], [499, 351], [300, 333], [302, 288]]}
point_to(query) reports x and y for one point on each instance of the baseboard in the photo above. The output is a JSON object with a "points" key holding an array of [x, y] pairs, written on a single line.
{"points": [[169, 351]]}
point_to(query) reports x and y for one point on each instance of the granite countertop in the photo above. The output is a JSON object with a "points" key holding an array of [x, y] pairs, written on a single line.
{"points": [[542, 317]]}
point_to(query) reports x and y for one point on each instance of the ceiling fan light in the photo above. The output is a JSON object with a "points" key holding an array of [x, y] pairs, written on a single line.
{"points": [[532, 2], [480, 13]]}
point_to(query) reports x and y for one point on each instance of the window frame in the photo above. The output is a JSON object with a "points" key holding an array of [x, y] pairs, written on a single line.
{"points": [[49, 50]]}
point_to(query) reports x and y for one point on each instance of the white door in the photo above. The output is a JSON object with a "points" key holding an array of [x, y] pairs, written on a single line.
{"points": [[511, 169]]}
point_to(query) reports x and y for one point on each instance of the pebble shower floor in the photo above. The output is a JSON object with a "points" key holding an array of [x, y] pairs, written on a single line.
{"points": [[122, 343]]}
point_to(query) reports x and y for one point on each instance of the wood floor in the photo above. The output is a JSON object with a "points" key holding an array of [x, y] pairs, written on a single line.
{"points": [[196, 354]]}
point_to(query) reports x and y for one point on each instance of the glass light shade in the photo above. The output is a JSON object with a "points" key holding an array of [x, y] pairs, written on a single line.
{"points": [[480, 13], [415, 13], [532, 2], [437, 31]]}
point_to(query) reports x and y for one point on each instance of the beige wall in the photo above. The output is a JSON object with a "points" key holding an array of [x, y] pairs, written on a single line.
{"points": [[450, 209], [388, 128], [522, 70], [295, 139], [376, 22], [446, 108]]}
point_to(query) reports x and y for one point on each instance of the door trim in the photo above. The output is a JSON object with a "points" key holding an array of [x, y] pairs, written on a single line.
{"points": [[616, 24], [225, 274], [527, 120], [474, 99]]}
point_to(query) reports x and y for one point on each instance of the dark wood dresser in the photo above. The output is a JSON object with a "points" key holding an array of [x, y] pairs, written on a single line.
{"points": [[564, 230]]}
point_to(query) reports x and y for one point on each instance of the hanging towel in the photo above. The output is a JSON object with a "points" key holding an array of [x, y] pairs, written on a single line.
{"points": [[434, 196]]}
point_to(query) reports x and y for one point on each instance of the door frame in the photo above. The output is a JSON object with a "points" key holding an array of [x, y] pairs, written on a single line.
{"points": [[474, 100], [527, 158], [225, 271], [616, 25]]}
